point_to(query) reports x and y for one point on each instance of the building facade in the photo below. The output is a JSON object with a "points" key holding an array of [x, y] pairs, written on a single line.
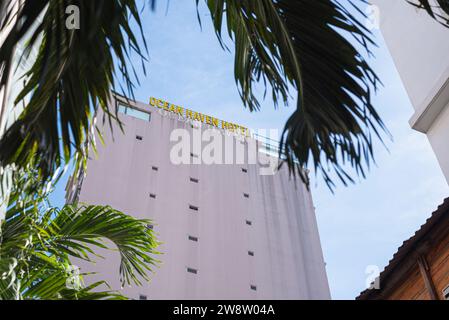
{"points": [[420, 50], [419, 270], [228, 231]]}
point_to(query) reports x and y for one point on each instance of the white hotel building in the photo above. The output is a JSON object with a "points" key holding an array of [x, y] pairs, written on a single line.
{"points": [[228, 232]]}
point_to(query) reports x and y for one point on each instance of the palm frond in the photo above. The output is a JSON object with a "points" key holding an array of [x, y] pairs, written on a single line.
{"points": [[301, 43], [38, 242], [75, 229], [433, 8], [72, 76]]}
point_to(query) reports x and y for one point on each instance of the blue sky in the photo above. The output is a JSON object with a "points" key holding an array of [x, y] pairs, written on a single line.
{"points": [[360, 225]]}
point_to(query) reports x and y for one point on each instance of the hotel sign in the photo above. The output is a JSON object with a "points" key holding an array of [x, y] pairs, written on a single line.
{"points": [[196, 116]]}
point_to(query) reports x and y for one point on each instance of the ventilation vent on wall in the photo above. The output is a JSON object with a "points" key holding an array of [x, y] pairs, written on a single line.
{"points": [[194, 208], [192, 238], [191, 270]]}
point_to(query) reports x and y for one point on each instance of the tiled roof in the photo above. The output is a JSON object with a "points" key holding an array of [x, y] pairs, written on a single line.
{"points": [[408, 246]]}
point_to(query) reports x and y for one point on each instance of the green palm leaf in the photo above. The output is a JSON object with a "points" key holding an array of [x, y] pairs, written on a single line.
{"points": [[38, 242], [282, 43], [300, 43], [73, 75]]}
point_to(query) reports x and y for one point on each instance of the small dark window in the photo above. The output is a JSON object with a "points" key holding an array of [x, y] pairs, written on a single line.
{"points": [[191, 270], [155, 168], [249, 223], [251, 253], [150, 226], [246, 195], [152, 196], [244, 170], [194, 180], [143, 297], [193, 155], [253, 287], [192, 238], [194, 208], [140, 138]]}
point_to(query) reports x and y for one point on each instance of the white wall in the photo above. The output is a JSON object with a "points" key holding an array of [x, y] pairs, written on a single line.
{"points": [[420, 49], [288, 261], [439, 139]]}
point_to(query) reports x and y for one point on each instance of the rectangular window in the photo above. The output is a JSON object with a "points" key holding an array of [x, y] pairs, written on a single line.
{"points": [[134, 112], [253, 287], [191, 270], [122, 108], [194, 208], [152, 196], [246, 195], [140, 138], [249, 223], [244, 170], [143, 297], [192, 238], [194, 180], [155, 168], [251, 253]]}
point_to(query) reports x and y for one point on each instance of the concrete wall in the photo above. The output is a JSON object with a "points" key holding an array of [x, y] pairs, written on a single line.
{"points": [[287, 262], [439, 139], [420, 49]]}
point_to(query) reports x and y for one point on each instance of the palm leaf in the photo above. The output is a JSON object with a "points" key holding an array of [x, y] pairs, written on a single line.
{"points": [[72, 76], [432, 9], [301, 43], [37, 243]]}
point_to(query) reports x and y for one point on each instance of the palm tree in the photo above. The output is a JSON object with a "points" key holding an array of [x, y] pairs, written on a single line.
{"points": [[283, 43], [38, 242], [280, 42]]}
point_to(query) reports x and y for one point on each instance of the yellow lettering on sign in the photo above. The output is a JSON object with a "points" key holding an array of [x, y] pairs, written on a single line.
{"points": [[189, 114], [224, 124], [180, 111], [197, 116]]}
